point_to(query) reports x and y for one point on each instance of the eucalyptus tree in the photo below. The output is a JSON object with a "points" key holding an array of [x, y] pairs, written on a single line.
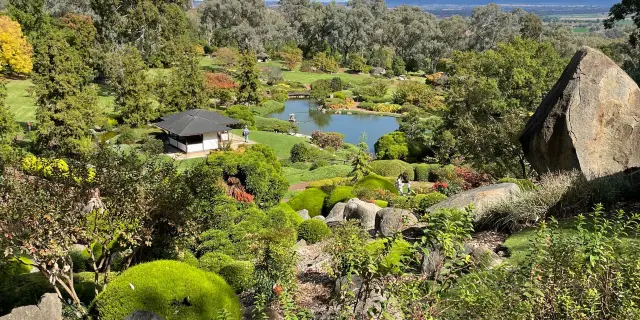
{"points": [[489, 25]]}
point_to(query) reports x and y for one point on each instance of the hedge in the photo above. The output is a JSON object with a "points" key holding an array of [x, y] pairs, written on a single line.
{"points": [[171, 289], [313, 231], [339, 194], [393, 168], [423, 170], [274, 125], [376, 182], [311, 199], [328, 172], [214, 261]]}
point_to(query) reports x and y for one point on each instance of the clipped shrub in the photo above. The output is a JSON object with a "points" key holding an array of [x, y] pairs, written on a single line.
{"points": [[274, 125], [333, 182], [22, 290], [339, 194], [178, 291], [327, 172], [267, 107], [311, 199], [524, 184], [381, 203], [393, 168], [151, 145], [339, 95], [188, 258], [84, 284], [375, 182], [238, 274], [283, 216], [444, 173], [313, 231], [80, 259], [423, 171], [302, 152]]}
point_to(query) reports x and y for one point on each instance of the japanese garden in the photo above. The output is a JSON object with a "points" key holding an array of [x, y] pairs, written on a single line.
{"points": [[297, 159]]}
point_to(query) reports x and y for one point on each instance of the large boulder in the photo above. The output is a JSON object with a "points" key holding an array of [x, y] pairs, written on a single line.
{"points": [[336, 215], [481, 198], [390, 221], [589, 121], [49, 308], [304, 214], [362, 211]]}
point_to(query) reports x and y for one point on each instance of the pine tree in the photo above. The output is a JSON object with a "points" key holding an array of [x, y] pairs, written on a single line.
{"points": [[361, 167], [67, 100], [249, 79], [126, 72]]}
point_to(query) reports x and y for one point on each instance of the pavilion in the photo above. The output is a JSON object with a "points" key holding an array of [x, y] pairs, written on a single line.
{"points": [[197, 130]]}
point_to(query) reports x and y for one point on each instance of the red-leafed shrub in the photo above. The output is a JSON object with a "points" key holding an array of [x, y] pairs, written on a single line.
{"points": [[472, 179], [327, 139], [441, 187], [218, 81], [242, 196]]}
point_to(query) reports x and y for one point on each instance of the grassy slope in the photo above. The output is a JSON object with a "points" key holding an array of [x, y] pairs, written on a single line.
{"points": [[23, 106], [281, 143]]}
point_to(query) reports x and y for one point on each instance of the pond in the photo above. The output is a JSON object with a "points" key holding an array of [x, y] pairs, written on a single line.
{"points": [[309, 119]]}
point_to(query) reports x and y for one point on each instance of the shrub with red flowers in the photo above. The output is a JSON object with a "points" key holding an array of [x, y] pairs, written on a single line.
{"points": [[327, 139], [441, 186], [471, 179]]}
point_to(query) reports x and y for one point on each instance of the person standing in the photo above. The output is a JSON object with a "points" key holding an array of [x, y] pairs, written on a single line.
{"points": [[408, 186], [400, 185], [245, 133]]}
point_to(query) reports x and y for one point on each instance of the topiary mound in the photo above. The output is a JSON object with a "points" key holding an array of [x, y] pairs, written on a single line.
{"points": [[393, 168], [283, 216], [423, 171], [311, 199], [171, 289], [239, 275], [376, 182], [339, 194], [313, 231]]}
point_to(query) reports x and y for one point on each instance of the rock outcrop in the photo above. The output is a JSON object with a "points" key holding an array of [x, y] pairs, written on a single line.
{"points": [[589, 121], [336, 215], [304, 214], [390, 221], [364, 212], [49, 308], [481, 198]]}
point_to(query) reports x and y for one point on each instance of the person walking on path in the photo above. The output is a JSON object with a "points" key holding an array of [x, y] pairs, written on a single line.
{"points": [[245, 133]]}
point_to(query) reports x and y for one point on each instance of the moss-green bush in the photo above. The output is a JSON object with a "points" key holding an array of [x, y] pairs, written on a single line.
{"points": [[188, 258], [84, 284], [375, 182], [381, 203], [424, 201], [422, 170], [311, 199], [303, 152], [313, 231], [274, 125], [283, 216], [393, 168], [238, 274], [339, 194], [22, 290], [171, 289], [524, 184]]}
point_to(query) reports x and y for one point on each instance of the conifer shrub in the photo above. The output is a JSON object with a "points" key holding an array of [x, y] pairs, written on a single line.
{"points": [[214, 261], [339, 194], [375, 182], [170, 289], [393, 168], [311, 199], [238, 274], [313, 231], [302, 152]]}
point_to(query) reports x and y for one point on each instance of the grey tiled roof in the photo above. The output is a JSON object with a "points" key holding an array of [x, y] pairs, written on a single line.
{"points": [[195, 122]]}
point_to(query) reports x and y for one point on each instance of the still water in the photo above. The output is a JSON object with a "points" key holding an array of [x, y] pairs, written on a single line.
{"points": [[309, 119]]}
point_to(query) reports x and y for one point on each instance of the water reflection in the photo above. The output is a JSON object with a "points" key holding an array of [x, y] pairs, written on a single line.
{"points": [[309, 118]]}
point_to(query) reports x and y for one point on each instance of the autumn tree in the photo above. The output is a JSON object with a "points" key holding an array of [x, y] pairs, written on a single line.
{"points": [[292, 57], [15, 50], [228, 56], [249, 80], [66, 98], [126, 73], [220, 86]]}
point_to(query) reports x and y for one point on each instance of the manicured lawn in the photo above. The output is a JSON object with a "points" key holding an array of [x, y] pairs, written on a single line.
{"points": [[23, 106], [281, 143], [293, 175], [309, 77]]}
